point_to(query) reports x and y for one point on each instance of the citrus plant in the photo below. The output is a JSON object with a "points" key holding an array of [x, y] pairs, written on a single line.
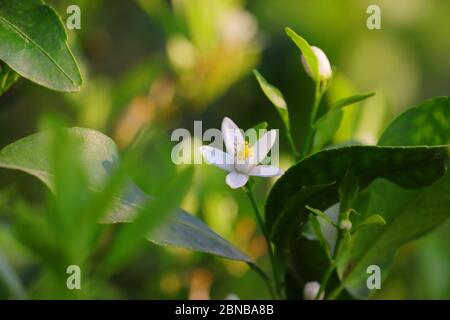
{"points": [[339, 210]]}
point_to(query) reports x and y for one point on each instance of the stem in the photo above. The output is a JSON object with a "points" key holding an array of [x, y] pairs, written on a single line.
{"points": [[265, 278], [266, 236], [335, 293], [291, 142], [325, 279], [333, 265], [311, 122]]}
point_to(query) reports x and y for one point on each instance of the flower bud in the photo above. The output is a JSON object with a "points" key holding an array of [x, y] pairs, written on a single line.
{"points": [[311, 290], [345, 225], [323, 63]]}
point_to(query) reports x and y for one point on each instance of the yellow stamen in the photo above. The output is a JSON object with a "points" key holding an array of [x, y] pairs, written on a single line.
{"points": [[245, 151]]}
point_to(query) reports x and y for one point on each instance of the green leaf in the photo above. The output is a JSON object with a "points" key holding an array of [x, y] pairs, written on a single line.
{"points": [[34, 44], [319, 235], [7, 77], [325, 128], [341, 103], [272, 93], [276, 97], [409, 214], [328, 125], [98, 155], [314, 181], [306, 50], [373, 219], [425, 124], [323, 215]]}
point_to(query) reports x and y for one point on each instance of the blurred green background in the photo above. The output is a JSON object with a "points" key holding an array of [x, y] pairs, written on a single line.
{"points": [[167, 63]]}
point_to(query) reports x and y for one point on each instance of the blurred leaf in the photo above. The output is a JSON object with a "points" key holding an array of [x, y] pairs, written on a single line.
{"points": [[409, 214], [11, 279], [409, 167], [98, 156], [136, 82], [306, 50], [68, 213], [341, 103], [131, 236], [31, 229], [341, 88], [159, 10], [34, 44]]}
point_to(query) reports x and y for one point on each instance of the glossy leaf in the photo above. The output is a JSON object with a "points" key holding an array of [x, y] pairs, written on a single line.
{"points": [[409, 214], [99, 156], [425, 124], [33, 43], [314, 181]]}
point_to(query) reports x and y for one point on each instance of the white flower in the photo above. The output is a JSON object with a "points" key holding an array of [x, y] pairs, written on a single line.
{"points": [[324, 65], [241, 159], [311, 290]]}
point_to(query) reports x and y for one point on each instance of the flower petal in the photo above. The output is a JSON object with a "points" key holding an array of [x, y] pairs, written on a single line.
{"points": [[263, 146], [232, 135], [217, 157], [266, 171], [236, 180]]}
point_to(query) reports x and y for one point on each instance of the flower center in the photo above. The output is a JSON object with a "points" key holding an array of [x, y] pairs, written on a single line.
{"points": [[245, 151]]}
